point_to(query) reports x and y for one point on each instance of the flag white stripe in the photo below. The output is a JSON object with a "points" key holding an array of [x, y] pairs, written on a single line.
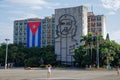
{"points": [[36, 38], [30, 42]]}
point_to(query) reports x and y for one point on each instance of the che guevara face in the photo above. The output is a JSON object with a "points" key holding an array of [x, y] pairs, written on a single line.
{"points": [[65, 26]]}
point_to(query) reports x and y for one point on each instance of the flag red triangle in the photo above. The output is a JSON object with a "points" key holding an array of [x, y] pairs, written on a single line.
{"points": [[34, 26]]}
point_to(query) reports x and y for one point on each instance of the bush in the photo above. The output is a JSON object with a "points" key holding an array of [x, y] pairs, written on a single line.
{"points": [[30, 62]]}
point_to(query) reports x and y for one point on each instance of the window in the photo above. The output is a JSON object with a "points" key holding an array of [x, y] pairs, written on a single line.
{"points": [[93, 29], [25, 23], [20, 39], [20, 33], [99, 18], [16, 24], [88, 24], [16, 28], [92, 18], [89, 30], [99, 24], [15, 39], [88, 19], [20, 23], [16, 34], [24, 38], [92, 24], [53, 20], [99, 29]]}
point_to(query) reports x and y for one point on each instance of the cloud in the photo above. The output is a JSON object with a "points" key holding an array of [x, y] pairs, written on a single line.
{"points": [[111, 4], [36, 7], [42, 2], [34, 4], [30, 15]]}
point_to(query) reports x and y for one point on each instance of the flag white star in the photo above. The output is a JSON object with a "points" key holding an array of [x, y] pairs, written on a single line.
{"points": [[34, 26]]}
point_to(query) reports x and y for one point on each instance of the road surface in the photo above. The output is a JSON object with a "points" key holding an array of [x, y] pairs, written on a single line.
{"points": [[58, 74]]}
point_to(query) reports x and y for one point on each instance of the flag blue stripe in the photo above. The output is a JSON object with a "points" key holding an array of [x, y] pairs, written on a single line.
{"points": [[28, 36], [39, 37], [33, 40]]}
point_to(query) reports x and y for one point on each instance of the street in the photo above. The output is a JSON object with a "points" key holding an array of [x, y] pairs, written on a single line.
{"points": [[57, 74]]}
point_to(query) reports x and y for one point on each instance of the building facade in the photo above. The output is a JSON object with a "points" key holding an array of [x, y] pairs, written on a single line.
{"points": [[34, 32], [96, 23], [48, 31], [71, 25]]}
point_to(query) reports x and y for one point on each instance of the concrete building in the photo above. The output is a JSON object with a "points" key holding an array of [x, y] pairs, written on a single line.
{"points": [[19, 33], [34, 32], [71, 24], [96, 23], [48, 31]]}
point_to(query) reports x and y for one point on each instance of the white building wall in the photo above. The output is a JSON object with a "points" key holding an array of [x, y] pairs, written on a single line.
{"points": [[71, 24], [103, 27]]}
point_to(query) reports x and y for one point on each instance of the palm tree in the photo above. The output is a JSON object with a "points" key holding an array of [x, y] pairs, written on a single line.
{"points": [[88, 43]]}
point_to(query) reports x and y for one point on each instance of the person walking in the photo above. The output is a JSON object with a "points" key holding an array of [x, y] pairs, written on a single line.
{"points": [[118, 71], [49, 71]]}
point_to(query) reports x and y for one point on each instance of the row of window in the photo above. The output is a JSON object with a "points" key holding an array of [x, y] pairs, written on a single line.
{"points": [[20, 34], [94, 29], [21, 23], [94, 19], [94, 24], [48, 20], [20, 39]]}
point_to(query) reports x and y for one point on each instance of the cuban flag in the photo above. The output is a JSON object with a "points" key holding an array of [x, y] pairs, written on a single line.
{"points": [[34, 34]]}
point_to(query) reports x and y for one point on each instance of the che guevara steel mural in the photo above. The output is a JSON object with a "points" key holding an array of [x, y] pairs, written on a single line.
{"points": [[66, 32]]}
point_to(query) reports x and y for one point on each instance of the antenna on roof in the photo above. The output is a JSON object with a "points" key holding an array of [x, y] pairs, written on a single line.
{"points": [[92, 8]]}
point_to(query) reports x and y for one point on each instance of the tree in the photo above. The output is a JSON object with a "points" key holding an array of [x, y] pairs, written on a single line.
{"points": [[49, 56], [116, 49], [81, 57], [89, 43], [36, 56], [2, 54], [107, 53]]}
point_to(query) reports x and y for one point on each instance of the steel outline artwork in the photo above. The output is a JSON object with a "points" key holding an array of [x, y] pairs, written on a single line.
{"points": [[66, 30], [70, 27]]}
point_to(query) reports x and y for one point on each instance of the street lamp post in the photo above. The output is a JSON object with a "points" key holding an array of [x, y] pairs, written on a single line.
{"points": [[6, 52], [97, 54]]}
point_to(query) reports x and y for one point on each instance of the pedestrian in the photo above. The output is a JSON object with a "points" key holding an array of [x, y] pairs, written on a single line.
{"points": [[118, 71], [49, 70]]}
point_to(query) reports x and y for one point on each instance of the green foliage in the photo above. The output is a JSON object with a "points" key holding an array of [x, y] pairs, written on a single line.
{"points": [[81, 57], [48, 55], [109, 51], [32, 62], [49, 58], [37, 56], [22, 56]]}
